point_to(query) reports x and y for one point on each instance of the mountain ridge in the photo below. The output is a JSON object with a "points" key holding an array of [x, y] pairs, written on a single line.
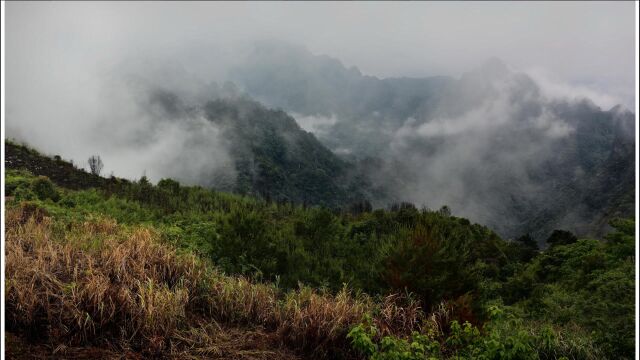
{"points": [[492, 136]]}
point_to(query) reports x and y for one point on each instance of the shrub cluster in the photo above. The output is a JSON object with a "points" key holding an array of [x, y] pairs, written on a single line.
{"points": [[97, 282]]}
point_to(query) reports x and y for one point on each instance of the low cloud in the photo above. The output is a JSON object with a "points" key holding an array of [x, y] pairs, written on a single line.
{"points": [[142, 124], [477, 161], [316, 124], [572, 92]]}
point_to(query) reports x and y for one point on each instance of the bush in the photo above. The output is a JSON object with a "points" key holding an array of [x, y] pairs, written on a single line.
{"points": [[43, 188], [61, 285], [418, 347], [24, 194], [14, 184], [169, 185], [68, 202], [561, 237], [503, 337]]}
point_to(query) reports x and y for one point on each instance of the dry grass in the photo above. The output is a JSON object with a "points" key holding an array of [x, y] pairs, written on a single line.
{"points": [[126, 287], [101, 284]]}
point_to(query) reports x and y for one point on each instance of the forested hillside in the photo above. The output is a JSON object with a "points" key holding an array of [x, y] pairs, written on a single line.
{"points": [[491, 144], [277, 160], [167, 270], [268, 154]]}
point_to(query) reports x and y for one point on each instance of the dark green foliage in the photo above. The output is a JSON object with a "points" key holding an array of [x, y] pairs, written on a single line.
{"points": [[440, 258], [587, 282], [169, 185], [527, 241], [276, 160], [502, 337], [43, 188], [241, 242], [561, 237], [528, 247], [312, 245]]}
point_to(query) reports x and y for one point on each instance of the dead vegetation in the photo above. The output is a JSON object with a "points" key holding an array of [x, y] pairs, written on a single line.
{"points": [[99, 284]]}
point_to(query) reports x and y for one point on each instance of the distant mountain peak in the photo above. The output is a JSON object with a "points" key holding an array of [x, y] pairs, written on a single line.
{"points": [[495, 64], [492, 68], [280, 47]]}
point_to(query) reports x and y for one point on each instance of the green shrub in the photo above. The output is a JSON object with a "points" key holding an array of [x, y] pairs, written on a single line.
{"points": [[44, 189], [68, 202], [169, 185], [16, 179], [24, 194], [503, 337], [418, 347]]}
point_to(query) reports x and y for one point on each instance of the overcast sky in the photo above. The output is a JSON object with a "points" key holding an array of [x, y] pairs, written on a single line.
{"points": [[586, 42], [55, 50]]}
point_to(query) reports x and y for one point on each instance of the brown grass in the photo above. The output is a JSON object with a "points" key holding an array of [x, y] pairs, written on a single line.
{"points": [[104, 285]]}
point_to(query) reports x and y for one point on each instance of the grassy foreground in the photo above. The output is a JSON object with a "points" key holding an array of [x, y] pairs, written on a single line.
{"points": [[99, 283]]}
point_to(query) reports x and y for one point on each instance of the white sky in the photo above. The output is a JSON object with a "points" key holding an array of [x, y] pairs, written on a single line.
{"points": [[582, 43]]}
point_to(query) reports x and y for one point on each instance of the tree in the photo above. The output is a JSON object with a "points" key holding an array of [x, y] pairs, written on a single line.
{"points": [[95, 164], [44, 189], [528, 247], [445, 211], [169, 185], [528, 241], [561, 237]]}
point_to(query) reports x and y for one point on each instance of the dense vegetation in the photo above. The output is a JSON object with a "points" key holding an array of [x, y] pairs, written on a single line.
{"points": [[492, 144], [277, 160], [270, 156], [107, 253]]}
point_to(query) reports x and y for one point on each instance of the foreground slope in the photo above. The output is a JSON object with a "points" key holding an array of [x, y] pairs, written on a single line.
{"points": [[156, 270]]}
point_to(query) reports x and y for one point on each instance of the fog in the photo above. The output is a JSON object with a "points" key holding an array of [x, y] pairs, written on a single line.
{"points": [[587, 44], [56, 52], [486, 156], [126, 81]]}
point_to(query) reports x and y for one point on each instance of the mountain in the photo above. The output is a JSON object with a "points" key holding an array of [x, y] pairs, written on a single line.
{"points": [[296, 127], [490, 144], [276, 159], [269, 154]]}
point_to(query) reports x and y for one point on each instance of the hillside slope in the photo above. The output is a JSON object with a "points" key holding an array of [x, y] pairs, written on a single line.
{"points": [[276, 159], [491, 144], [268, 154], [63, 173], [141, 270]]}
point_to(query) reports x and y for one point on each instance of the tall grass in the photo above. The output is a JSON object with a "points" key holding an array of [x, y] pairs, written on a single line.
{"points": [[96, 282]]}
